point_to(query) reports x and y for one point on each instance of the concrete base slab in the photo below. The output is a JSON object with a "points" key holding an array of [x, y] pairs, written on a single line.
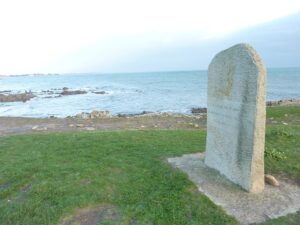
{"points": [[246, 207]]}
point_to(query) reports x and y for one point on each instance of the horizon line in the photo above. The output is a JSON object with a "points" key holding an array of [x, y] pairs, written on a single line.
{"points": [[126, 72]]}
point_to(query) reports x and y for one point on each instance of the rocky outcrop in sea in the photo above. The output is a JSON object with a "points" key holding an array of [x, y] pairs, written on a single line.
{"points": [[19, 97]]}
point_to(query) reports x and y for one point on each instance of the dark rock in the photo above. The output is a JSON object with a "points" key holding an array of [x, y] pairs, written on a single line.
{"points": [[133, 114], [5, 91], [76, 92], [199, 110], [99, 92], [49, 92]]}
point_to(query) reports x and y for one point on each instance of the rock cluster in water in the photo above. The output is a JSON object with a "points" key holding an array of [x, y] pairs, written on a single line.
{"points": [[66, 91], [9, 96], [20, 97]]}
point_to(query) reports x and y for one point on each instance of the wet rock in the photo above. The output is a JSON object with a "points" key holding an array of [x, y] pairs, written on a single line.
{"points": [[135, 114], [99, 92], [75, 92], [269, 179], [48, 92], [5, 91], [199, 110], [23, 97]]}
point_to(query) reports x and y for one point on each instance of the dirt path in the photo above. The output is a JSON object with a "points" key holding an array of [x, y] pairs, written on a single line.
{"points": [[18, 125]]}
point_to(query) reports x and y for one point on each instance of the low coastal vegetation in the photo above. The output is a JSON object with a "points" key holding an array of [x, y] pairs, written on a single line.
{"points": [[122, 177]]}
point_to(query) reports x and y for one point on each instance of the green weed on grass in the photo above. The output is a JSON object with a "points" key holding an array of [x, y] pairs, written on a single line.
{"points": [[282, 150], [274, 153]]}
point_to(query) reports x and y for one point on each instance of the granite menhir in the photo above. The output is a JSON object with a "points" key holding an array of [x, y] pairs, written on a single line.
{"points": [[236, 116]]}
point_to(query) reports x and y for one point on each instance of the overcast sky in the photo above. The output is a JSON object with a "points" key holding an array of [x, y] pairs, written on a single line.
{"points": [[61, 36]]}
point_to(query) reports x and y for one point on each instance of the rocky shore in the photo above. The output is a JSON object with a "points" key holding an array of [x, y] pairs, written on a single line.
{"points": [[103, 120], [106, 114], [285, 102]]}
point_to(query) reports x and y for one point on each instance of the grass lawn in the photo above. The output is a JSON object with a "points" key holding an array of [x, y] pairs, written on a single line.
{"points": [[46, 177]]}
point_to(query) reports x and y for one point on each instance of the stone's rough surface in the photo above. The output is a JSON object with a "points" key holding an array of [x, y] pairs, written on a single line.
{"points": [[248, 208], [236, 116], [271, 180]]}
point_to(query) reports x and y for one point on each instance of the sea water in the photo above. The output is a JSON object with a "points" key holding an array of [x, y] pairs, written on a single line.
{"points": [[127, 93]]}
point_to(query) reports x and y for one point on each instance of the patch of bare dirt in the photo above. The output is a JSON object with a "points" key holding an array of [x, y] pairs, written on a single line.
{"points": [[93, 216], [21, 125]]}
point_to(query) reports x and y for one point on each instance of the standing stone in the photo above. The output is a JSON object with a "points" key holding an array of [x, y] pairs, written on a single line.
{"points": [[236, 116]]}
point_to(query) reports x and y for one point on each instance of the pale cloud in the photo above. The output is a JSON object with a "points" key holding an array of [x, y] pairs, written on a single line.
{"points": [[36, 33]]}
